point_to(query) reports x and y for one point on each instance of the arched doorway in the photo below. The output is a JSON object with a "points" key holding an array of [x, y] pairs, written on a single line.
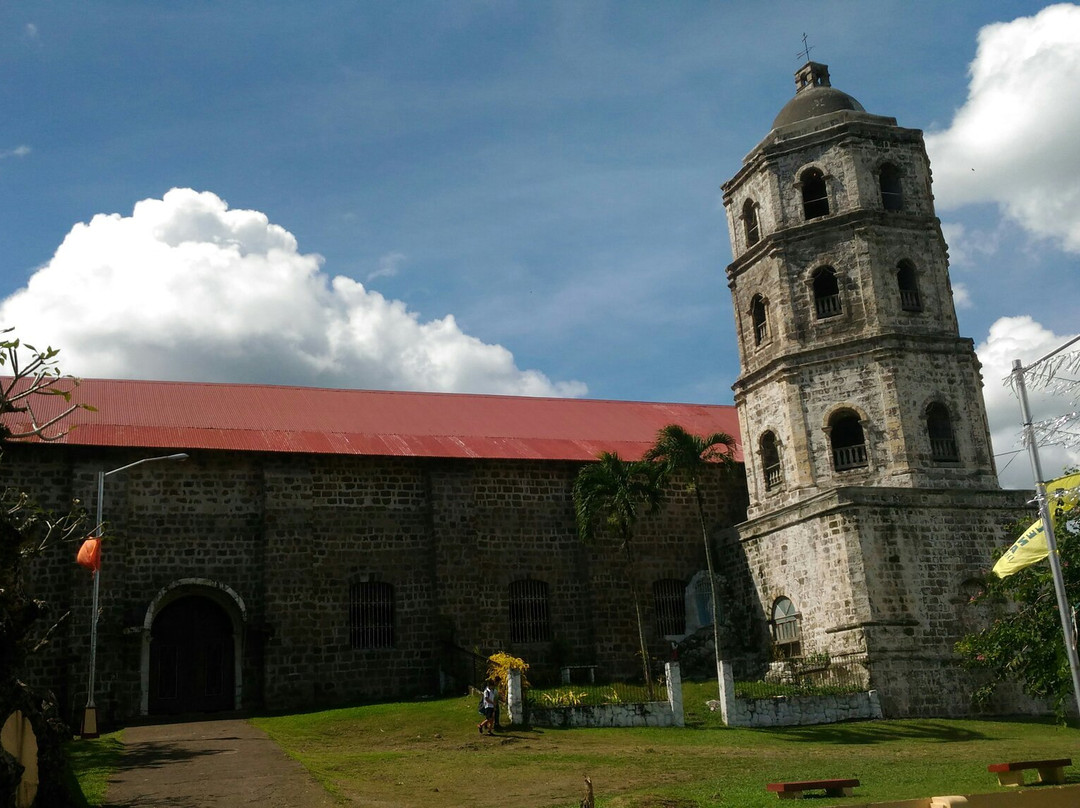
{"points": [[192, 658]]}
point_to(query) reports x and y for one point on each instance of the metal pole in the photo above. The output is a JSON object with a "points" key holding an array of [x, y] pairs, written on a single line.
{"points": [[89, 725], [1064, 612]]}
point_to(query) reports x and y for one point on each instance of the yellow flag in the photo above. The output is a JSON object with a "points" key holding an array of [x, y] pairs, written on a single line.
{"points": [[1031, 546]]}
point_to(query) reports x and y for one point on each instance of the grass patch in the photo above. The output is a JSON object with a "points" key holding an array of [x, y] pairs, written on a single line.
{"points": [[93, 762], [430, 754]]}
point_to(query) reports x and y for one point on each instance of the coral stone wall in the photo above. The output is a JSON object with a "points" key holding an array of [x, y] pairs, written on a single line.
{"points": [[277, 540]]}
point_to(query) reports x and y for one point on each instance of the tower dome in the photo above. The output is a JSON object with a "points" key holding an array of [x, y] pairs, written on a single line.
{"points": [[814, 96]]}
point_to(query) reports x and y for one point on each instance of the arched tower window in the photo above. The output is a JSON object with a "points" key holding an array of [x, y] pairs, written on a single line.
{"points": [[826, 293], [942, 440], [815, 196], [750, 222], [892, 196], [669, 603], [848, 441], [371, 614], [770, 462], [529, 611], [908, 284], [787, 633], [759, 313]]}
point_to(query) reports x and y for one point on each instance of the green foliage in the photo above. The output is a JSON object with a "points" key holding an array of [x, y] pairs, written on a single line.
{"points": [[1024, 642], [611, 493]]}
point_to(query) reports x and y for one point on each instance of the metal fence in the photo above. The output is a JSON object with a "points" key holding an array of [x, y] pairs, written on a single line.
{"points": [[815, 674]]}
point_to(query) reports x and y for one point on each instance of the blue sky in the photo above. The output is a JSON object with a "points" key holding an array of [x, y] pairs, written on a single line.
{"points": [[507, 197]]}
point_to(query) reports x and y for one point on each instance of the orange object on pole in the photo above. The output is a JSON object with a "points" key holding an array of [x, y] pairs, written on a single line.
{"points": [[90, 554]]}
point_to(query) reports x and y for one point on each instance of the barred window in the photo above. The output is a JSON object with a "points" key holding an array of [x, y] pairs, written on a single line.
{"points": [[826, 293], [770, 462], [892, 192], [669, 602], [750, 223], [907, 282], [848, 441], [371, 614], [759, 311], [529, 620]]}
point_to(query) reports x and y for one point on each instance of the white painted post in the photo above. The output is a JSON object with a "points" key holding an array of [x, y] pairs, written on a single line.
{"points": [[515, 703], [727, 691], [674, 692]]}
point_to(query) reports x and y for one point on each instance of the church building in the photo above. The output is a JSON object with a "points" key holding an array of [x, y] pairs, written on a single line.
{"points": [[323, 547]]}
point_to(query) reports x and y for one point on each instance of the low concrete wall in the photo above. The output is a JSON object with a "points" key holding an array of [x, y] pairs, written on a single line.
{"points": [[795, 711], [647, 714], [792, 711]]}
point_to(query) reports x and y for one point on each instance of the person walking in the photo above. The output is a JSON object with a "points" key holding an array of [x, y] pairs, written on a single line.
{"points": [[487, 707]]}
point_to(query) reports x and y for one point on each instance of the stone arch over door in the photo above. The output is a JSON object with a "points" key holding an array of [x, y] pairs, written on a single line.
{"points": [[192, 650]]}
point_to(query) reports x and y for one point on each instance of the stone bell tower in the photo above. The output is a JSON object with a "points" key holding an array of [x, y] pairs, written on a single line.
{"points": [[873, 493]]}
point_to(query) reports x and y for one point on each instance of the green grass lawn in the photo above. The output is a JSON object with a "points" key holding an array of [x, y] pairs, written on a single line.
{"points": [[93, 762], [430, 754]]}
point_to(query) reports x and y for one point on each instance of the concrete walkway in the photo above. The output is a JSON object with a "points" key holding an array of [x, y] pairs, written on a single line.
{"points": [[209, 764]]}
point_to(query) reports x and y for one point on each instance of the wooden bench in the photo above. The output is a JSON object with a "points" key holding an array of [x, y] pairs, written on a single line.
{"points": [[833, 788], [1012, 774]]}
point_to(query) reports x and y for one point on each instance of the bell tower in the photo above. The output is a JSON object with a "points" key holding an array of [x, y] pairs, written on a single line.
{"points": [[874, 500], [853, 371]]}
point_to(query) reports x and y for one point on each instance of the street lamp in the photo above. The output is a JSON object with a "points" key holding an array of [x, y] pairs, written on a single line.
{"points": [[89, 725]]}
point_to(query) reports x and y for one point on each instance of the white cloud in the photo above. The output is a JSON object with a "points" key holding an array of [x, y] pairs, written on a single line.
{"points": [[1020, 338], [187, 289], [30, 30], [1013, 142], [961, 296], [18, 151], [389, 266]]}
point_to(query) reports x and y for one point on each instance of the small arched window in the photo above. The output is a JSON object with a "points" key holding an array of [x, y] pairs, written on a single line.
{"points": [[759, 313], [848, 441], [826, 293], [908, 284], [939, 429], [750, 222], [770, 462], [787, 633], [815, 195], [669, 603], [892, 196], [371, 614], [529, 611]]}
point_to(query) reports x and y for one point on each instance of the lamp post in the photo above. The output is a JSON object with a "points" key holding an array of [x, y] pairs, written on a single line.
{"points": [[89, 724]]}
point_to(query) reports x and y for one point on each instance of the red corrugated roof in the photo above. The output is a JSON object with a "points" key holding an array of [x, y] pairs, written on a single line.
{"points": [[242, 417]]}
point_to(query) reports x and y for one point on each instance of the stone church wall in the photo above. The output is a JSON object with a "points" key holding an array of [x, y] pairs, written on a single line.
{"points": [[285, 535]]}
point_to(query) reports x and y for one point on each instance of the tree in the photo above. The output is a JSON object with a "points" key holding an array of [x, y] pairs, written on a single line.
{"points": [[1024, 642], [609, 495], [26, 530], [683, 453]]}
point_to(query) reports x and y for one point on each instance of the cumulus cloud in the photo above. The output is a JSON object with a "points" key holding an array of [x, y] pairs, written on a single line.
{"points": [[1025, 339], [1013, 142], [187, 289]]}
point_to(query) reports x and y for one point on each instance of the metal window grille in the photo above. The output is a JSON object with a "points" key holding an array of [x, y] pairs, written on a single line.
{"points": [[371, 614], [529, 620], [669, 602]]}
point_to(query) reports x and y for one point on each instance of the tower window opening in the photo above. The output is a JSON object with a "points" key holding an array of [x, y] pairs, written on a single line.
{"points": [[848, 441], [892, 196], [750, 223], [908, 284], [787, 633], [815, 195], [759, 313], [826, 293], [529, 621], [669, 602], [939, 429], [770, 462]]}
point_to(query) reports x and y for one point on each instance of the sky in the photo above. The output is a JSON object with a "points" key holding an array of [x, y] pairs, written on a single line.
{"points": [[497, 197]]}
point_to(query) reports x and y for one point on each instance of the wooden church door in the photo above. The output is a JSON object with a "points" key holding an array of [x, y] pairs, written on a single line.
{"points": [[192, 658]]}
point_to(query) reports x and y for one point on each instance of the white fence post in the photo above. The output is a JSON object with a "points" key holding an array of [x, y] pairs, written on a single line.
{"points": [[514, 697], [674, 692]]}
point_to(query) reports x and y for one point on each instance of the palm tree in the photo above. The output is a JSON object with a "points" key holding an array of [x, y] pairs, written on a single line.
{"points": [[609, 495], [681, 452]]}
